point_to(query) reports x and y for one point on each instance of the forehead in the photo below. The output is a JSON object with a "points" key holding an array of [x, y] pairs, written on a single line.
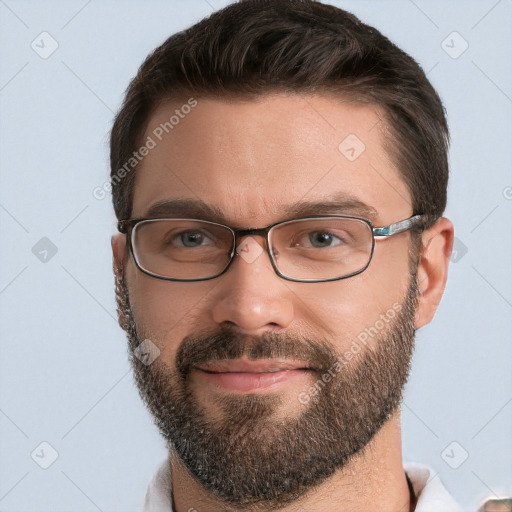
{"points": [[255, 160]]}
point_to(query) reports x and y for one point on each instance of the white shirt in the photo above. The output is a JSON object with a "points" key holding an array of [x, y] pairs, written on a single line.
{"points": [[430, 492]]}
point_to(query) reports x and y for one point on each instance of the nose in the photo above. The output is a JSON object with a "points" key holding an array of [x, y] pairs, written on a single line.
{"points": [[250, 295]]}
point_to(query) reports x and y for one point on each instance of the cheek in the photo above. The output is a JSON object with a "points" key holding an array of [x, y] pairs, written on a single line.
{"points": [[390, 268], [340, 310], [166, 311]]}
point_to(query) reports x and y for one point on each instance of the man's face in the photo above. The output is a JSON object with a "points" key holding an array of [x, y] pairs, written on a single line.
{"points": [[253, 162]]}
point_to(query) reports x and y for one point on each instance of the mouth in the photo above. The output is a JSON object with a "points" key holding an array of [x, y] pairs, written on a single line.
{"points": [[253, 376], [260, 366]]}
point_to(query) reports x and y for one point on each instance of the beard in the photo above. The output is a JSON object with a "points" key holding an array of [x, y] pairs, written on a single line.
{"points": [[247, 457]]}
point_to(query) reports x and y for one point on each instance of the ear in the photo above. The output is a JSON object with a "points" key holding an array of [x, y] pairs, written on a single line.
{"points": [[119, 248], [437, 244]]}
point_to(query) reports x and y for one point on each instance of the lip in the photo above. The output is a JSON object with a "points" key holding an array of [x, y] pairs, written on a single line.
{"points": [[260, 366], [252, 376]]}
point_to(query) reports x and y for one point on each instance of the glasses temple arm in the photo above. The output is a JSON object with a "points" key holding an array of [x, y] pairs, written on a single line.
{"points": [[399, 227]]}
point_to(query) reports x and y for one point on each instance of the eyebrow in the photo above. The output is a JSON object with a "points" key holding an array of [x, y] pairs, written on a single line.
{"points": [[340, 203]]}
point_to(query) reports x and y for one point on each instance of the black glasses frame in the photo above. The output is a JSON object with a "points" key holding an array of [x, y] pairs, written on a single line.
{"points": [[416, 221]]}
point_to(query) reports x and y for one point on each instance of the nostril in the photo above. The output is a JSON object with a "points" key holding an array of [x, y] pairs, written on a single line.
{"points": [[228, 324]]}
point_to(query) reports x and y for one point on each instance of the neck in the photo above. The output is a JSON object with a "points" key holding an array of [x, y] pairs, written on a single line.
{"points": [[373, 480]]}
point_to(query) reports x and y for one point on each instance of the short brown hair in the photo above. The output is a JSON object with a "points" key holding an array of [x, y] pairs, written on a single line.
{"points": [[254, 47]]}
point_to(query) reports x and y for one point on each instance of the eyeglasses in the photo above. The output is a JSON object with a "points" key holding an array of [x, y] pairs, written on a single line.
{"points": [[312, 249]]}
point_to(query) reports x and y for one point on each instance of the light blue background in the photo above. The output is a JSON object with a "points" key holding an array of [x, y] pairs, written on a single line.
{"points": [[64, 373]]}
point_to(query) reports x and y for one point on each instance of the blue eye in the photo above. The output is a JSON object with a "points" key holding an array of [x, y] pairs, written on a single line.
{"points": [[191, 239], [320, 239]]}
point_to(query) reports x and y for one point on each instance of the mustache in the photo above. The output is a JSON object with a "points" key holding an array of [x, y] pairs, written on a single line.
{"points": [[225, 344]]}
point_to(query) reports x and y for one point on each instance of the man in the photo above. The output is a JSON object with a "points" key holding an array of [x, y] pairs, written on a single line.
{"points": [[279, 174]]}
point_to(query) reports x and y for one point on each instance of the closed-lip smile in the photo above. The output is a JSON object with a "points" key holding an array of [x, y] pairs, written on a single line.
{"points": [[259, 366], [242, 375]]}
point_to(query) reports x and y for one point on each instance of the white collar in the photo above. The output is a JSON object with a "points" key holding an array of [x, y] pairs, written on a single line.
{"points": [[430, 492]]}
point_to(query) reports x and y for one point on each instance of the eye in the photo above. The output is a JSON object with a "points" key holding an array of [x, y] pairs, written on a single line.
{"points": [[190, 239], [319, 240]]}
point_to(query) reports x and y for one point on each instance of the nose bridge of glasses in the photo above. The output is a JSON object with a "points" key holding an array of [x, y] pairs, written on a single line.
{"points": [[240, 234]]}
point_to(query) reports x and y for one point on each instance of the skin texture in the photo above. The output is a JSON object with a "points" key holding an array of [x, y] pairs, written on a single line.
{"points": [[251, 160]]}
